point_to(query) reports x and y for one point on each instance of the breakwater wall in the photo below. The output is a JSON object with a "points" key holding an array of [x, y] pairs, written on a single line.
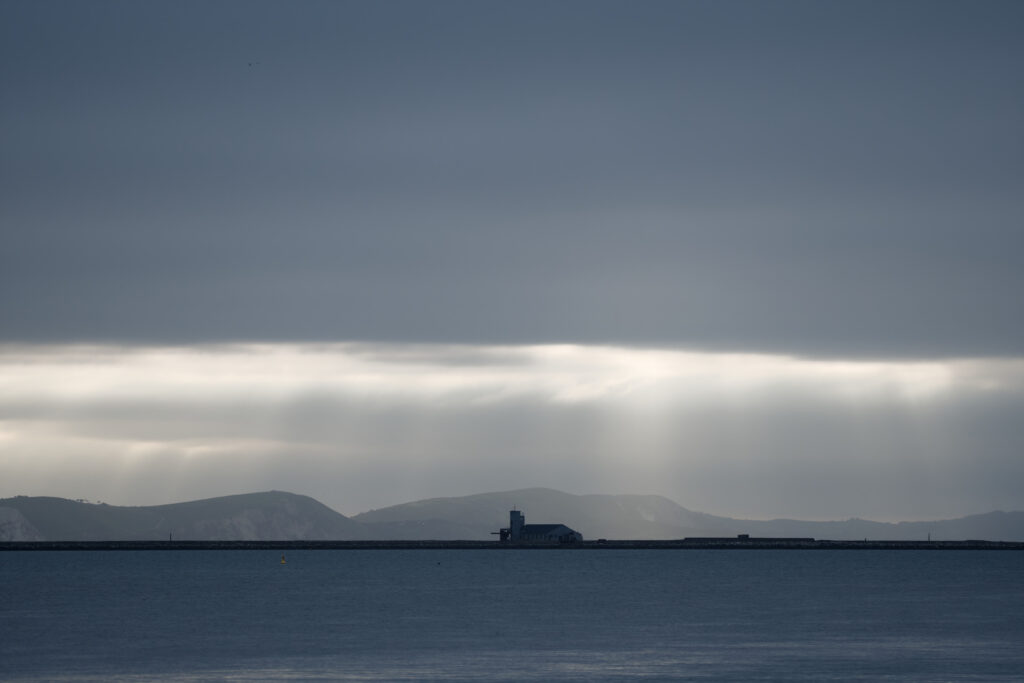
{"points": [[685, 544]]}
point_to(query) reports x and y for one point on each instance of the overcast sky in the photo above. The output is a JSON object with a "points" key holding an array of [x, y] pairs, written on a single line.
{"points": [[764, 258]]}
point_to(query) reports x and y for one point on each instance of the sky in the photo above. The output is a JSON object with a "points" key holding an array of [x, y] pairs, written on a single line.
{"points": [[765, 259]]}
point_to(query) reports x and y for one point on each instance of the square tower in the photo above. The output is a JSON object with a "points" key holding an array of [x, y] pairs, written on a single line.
{"points": [[516, 521]]}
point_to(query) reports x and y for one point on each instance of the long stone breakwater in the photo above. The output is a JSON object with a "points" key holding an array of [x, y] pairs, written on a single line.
{"points": [[683, 544]]}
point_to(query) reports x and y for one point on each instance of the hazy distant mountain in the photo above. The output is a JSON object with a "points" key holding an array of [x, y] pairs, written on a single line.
{"points": [[273, 515], [649, 517], [276, 515], [991, 526], [596, 515]]}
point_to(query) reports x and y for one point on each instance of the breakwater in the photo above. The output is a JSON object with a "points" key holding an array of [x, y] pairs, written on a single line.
{"points": [[683, 544]]}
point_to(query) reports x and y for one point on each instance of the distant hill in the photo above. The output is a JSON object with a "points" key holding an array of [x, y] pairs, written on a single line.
{"points": [[649, 517], [276, 515], [595, 515], [991, 526], [272, 515]]}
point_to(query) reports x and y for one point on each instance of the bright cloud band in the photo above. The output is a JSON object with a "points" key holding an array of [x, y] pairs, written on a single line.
{"points": [[361, 425]]}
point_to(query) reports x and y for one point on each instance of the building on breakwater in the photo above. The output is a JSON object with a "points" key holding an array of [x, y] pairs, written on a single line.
{"points": [[519, 531]]}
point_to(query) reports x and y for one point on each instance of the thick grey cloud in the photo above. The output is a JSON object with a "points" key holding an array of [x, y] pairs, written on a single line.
{"points": [[798, 179], [809, 178]]}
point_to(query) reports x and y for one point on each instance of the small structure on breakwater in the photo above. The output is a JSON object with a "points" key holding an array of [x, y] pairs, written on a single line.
{"points": [[744, 538], [519, 531]]}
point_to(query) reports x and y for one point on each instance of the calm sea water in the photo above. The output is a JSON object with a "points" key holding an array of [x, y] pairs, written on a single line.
{"points": [[513, 615]]}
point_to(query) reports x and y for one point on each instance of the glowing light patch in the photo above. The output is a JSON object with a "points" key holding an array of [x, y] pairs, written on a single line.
{"points": [[561, 373], [361, 424]]}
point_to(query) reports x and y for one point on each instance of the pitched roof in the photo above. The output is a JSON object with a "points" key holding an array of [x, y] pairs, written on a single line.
{"points": [[543, 528]]}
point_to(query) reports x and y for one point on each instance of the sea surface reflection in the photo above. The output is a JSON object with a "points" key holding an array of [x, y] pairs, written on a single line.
{"points": [[714, 615]]}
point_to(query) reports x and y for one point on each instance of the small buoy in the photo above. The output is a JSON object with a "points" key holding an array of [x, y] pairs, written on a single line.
{"points": [[282, 560]]}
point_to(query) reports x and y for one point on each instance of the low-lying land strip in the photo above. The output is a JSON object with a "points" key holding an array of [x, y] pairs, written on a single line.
{"points": [[683, 544]]}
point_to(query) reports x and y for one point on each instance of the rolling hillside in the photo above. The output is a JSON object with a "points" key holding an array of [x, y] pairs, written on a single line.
{"points": [[650, 517], [597, 515], [272, 515], [276, 515]]}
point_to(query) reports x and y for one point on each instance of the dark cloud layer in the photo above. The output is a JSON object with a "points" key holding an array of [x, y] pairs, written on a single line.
{"points": [[797, 177]]}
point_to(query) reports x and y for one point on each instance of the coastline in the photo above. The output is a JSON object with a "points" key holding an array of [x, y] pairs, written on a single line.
{"points": [[682, 544]]}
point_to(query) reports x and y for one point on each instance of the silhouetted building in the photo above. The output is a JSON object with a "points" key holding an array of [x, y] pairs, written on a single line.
{"points": [[519, 531]]}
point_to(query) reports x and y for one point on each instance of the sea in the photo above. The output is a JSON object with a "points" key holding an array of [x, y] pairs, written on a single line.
{"points": [[512, 615]]}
